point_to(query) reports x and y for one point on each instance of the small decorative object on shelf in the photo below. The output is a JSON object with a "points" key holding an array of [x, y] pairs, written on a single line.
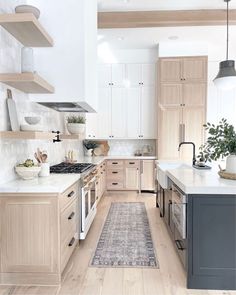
{"points": [[28, 170], [28, 9], [12, 112], [220, 143], [76, 124], [27, 60], [89, 147]]}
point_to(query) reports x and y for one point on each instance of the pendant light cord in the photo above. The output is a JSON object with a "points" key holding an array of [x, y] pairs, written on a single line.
{"points": [[227, 46]]}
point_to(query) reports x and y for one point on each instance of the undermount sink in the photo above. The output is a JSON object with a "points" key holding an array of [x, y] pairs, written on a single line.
{"points": [[163, 167]]}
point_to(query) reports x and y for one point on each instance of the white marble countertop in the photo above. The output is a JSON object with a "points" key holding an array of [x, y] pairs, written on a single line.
{"points": [[194, 181], [54, 184]]}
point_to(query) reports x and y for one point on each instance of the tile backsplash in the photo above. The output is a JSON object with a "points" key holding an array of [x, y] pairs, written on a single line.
{"points": [[14, 151], [129, 147]]}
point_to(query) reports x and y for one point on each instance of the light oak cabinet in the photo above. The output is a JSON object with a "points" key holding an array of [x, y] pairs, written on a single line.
{"points": [[147, 175], [183, 69], [100, 181], [131, 174], [38, 236], [181, 105]]}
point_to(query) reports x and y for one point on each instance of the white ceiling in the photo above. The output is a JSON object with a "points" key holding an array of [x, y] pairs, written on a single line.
{"points": [[133, 5]]}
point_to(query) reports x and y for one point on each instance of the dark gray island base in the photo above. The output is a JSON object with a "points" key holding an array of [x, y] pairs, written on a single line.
{"points": [[211, 235]]}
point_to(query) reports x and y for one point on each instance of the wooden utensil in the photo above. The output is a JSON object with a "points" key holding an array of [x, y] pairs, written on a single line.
{"points": [[12, 112]]}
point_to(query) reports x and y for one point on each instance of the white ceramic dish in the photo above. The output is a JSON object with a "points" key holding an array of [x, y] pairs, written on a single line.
{"points": [[28, 173], [28, 9], [31, 128], [32, 120]]}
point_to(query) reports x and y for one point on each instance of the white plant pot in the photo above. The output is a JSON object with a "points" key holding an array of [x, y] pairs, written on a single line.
{"points": [[231, 164], [45, 170], [76, 128]]}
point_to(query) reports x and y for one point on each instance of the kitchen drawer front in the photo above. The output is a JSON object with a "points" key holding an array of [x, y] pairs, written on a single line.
{"points": [[132, 163], [67, 249], [68, 221], [68, 196], [115, 164], [115, 185], [117, 174]]}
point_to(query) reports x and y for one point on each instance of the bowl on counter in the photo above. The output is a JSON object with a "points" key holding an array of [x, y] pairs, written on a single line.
{"points": [[33, 120], [28, 9], [27, 173]]}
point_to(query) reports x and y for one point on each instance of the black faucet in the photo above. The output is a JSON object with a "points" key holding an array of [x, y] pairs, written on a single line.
{"points": [[194, 148]]}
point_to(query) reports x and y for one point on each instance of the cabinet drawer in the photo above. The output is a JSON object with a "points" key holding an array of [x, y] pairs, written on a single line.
{"points": [[115, 185], [67, 249], [68, 196], [68, 221], [132, 163], [115, 174], [115, 163]]}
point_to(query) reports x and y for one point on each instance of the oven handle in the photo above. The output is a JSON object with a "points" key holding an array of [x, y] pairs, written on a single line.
{"points": [[179, 245]]}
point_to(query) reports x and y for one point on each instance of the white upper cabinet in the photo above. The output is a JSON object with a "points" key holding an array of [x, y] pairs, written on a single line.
{"points": [[133, 112], [91, 126], [104, 113], [148, 120], [118, 113], [111, 75], [140, 74]]}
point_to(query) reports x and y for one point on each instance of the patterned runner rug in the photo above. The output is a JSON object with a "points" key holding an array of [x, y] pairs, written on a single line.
{"points": [[126, 239]]}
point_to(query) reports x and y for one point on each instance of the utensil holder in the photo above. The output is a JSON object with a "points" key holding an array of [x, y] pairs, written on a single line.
{"points": [[45, 170]]}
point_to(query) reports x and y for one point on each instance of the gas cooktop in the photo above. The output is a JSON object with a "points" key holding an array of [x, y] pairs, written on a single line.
{"points": [[71, 167]]}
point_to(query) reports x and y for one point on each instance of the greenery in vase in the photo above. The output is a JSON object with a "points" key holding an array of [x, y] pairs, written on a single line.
{"points": [[76, 119], [90, 144], [220, 143]]}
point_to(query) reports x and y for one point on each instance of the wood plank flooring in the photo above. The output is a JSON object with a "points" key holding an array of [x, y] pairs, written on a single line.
{"points": [[79, 279]]}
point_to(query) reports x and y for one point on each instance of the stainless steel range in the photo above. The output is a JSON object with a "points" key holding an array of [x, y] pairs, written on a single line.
{"points": [[88, 198]]}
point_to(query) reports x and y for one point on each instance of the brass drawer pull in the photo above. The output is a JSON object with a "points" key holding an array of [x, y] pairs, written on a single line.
{"points": [[71, 216], [114, 163], [114, 183], [114, 172], [71, 242], [71, 194], [131, 163]]}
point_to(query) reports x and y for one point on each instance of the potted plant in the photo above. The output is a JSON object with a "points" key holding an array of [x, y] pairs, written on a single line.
{"points": [[76, 124], [89, 146], [220, 143], [28, 169]]}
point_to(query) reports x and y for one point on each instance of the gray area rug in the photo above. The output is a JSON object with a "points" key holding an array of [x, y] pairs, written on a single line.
{"points": [[126, 239]]}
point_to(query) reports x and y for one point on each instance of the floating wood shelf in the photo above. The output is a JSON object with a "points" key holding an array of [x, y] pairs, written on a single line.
{"points": [[72, 136], [26, 135], [27, 82], [27, 29]]}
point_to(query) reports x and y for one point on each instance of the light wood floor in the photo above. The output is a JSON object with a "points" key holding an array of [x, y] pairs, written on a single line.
{"points": [[79, 279]]}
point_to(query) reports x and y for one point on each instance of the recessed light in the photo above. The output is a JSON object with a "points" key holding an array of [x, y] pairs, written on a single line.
{"points": [[173, 38]]}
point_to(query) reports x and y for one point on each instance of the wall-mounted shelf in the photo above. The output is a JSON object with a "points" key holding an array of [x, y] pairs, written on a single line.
{"points": [[27, 82], [26, 135], [26, 29], [72, 136]]}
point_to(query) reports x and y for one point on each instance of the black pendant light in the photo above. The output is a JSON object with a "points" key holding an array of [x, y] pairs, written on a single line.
{"points": [[226, 78]]}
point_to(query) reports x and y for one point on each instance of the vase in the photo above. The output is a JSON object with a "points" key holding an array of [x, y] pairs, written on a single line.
{"points": [[45, 170], [27, 60], [231, 164], [76, 128]]}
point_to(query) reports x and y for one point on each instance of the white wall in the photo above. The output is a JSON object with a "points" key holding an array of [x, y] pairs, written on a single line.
{"points": [[109, 55], [13, 151]]}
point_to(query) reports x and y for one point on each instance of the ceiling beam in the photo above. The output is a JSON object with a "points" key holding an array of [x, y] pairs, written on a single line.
{"points": [[164, 18]]}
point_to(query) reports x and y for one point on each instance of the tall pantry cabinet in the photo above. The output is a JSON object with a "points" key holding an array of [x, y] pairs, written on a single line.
{"points": [[182, 92]]}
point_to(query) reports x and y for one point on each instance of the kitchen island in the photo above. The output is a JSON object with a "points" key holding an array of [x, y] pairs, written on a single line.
{"points": [[207, 211]]}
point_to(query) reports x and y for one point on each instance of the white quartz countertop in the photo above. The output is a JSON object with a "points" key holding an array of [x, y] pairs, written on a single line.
{"points": [[194, 181], [54, 184], [57, 183], [99, 160]]}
